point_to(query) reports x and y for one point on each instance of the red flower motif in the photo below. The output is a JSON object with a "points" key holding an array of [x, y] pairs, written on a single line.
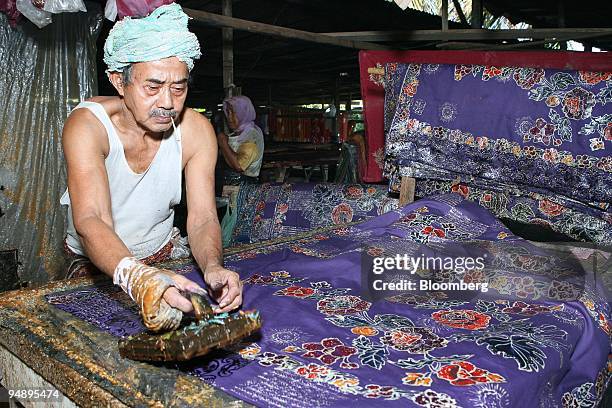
{"points": [[410, 89], [375, 251], [379, 391], [551, 209], [607, 133], [490, 72], [328, 350], [342, 305], [282, 208], [259, 280], [462, 319], [260, 206], [312, 371], [526, 309], [430, 230], [578, 103], [463, 373], [461, 189], [593, 78], [296, 291], [551, 155], [526, 78], [416, 340], [342, 213], [408, 218], [542, 132], [354, 191]]}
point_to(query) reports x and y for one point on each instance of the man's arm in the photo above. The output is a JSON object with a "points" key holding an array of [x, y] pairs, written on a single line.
{"points": [[203, 226], [84, 142]]}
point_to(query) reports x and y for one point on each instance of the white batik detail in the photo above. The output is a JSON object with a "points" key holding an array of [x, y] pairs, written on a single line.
{"points": [[448, 112]]}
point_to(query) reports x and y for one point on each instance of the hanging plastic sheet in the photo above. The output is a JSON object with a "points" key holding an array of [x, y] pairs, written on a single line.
{"points": [[138, 8], [9, 7], [44, 73]]}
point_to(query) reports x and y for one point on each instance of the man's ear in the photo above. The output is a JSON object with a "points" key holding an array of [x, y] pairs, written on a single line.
{"points": [[116, 78]]}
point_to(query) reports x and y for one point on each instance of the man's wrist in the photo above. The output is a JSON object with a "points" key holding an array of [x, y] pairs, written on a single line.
{"points": [[123, 270]]}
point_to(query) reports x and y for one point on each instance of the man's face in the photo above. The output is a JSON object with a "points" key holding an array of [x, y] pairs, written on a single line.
{"points": [[156, 92]]}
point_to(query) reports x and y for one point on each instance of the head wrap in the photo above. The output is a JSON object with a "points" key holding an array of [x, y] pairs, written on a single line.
{"points": [[244, 111], [162, 34]]}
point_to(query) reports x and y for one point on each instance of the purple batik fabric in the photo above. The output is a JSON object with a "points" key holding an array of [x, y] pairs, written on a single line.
{"points": [[273, 210], [543, 130], [530, 208], [539, 337]]}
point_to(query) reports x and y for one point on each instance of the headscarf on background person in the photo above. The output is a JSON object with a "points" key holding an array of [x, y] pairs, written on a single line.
{"points": [[245, 115], [162, 34]]}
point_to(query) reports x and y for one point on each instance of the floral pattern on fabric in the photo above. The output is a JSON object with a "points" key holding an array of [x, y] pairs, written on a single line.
{"points": [[272, 210], [541, 130], [322, 334], [529, 208]]}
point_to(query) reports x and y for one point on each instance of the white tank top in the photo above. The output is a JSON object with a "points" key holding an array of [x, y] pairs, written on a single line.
{"points": [[141, 203]]}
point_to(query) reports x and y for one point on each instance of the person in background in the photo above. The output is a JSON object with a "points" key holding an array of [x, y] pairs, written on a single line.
{"points": [[243, 148]]}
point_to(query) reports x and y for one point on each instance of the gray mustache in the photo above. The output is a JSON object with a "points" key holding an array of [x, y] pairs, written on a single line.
{"points": [[164, 113]]}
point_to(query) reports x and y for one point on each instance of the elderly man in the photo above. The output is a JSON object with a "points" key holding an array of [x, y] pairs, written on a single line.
{"points": [[125, 156]]}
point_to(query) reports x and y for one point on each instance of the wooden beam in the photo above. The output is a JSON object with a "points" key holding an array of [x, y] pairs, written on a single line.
{"points": [[227, 35], [469, 34], [457, 45], [460, 12], [217, 20]]}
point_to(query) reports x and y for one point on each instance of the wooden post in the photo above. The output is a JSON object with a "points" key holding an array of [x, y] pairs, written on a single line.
{"points": [[407, 188], [444, 15], [561, 18], [476, 13], [336, 102], [227, 35]]}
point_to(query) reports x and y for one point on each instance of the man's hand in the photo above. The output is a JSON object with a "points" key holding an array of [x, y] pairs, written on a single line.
{"points": [[225, 287], [156, 291], [173, 296]]}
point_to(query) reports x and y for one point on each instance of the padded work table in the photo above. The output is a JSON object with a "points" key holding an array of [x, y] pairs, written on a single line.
{"points": [[43, 347]]}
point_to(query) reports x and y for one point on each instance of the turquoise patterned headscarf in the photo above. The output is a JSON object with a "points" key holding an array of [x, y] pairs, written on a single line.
{"points": [[161, 34]]}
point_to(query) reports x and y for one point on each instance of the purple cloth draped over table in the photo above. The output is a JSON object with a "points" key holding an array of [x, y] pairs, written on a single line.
{"points": [[539, 337], [528, 208], [540, 134], [273, 210]]}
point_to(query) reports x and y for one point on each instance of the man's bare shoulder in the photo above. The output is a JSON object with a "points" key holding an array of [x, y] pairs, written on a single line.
{"points": [[112, 104], [195, 122], [82, 128], [198, 134], [196, 128]]}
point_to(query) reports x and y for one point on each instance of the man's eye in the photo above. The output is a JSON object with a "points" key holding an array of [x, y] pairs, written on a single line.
{"points": [[153, 88], [178, 90]]}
